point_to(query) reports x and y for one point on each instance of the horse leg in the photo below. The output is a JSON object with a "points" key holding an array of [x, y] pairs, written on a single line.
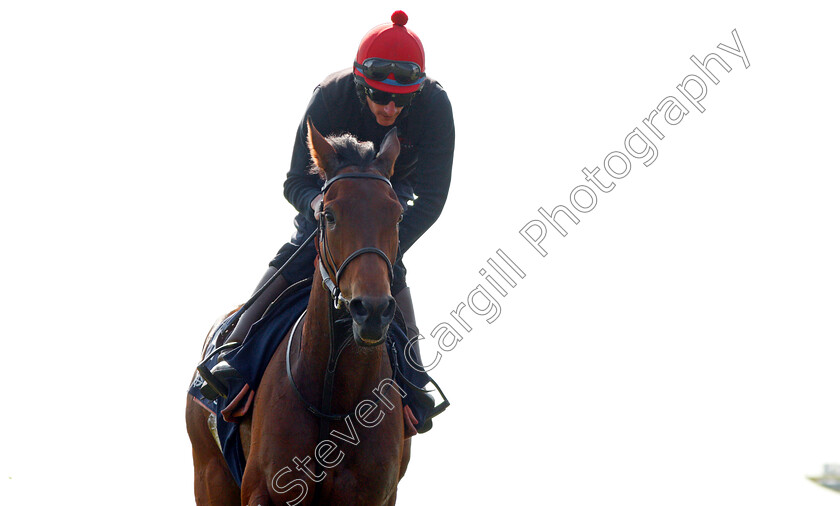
{"points": [[406, 456], [213, 483], [260, 499], [254, 491]]}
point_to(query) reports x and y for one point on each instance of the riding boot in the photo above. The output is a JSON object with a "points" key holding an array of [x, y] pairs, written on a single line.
{"points": [[222, 372], [403, 299]]}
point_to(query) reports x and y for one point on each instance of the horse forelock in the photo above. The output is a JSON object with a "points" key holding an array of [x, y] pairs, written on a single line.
{"points": [[349, 151]]}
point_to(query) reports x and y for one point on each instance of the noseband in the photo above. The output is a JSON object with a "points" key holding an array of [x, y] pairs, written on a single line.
{"points": [[331, 285]]}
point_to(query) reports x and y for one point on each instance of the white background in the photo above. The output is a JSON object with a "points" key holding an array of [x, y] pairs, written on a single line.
{"points": [[679, 346]]}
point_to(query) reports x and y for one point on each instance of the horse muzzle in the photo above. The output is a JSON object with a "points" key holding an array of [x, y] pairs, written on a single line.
{"points": [[371, 318]]}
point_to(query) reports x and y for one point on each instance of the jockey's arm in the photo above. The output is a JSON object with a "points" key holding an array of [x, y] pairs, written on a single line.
{"points": [[434, 172], [301, 188]]}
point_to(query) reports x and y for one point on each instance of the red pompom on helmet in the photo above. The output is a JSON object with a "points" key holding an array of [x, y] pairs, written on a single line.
{"points": [[391, 58]]}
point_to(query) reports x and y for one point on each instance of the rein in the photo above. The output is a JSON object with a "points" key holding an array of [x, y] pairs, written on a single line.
{"points": [[309, 406]]}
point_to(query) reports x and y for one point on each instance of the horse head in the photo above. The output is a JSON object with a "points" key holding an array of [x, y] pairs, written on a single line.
{"points": [[359, 228]]}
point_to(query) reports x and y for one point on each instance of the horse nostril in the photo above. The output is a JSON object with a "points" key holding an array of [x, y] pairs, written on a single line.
{"points": [[358, 309], [390, 310]]}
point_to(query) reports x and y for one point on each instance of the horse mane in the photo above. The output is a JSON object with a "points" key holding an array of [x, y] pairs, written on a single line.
{"points": [[349, 151]]}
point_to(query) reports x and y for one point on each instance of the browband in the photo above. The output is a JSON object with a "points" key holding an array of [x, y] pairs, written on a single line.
{"points": [[354, 175]]}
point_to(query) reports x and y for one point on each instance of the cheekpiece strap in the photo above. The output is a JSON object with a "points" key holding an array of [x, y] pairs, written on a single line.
{"points": [[337, 298]]}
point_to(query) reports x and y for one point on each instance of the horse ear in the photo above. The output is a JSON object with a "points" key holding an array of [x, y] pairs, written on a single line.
{"points": [[322, 152], [388, 152]]}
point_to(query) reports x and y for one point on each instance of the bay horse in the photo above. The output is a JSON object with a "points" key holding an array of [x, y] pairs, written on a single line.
{"points": [[298, 450]]}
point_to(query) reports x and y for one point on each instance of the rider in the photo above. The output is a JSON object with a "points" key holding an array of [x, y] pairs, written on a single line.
{"points": [[386, 87]]}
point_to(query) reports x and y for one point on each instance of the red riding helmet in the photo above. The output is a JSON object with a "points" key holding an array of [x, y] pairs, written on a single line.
{"points": [[391, 58]]}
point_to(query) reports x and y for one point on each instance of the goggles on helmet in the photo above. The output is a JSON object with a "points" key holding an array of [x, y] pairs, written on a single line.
{"points": [[406, 73], [384, 98]]}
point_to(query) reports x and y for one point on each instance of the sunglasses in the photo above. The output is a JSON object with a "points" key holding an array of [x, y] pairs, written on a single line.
{"points": [[378, 69], [384, 98]]}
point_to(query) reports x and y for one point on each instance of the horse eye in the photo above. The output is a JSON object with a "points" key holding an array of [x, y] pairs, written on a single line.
{"points": [[329, 216]]}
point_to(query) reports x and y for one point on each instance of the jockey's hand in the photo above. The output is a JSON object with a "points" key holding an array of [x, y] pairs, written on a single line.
{"points": [[315, 204]]}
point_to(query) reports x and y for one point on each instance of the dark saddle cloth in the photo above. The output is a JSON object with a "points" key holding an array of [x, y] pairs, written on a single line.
{"points": [[252, 357]]}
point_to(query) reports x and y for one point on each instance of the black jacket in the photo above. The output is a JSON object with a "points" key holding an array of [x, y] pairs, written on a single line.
{"points": [[422, 172]]}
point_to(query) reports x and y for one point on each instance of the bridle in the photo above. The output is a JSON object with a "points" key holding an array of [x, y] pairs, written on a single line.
{"points": [[332, 286], [326, 264]]}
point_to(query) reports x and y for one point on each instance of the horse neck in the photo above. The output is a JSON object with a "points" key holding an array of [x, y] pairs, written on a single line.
{"points": [[358, 371]]}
